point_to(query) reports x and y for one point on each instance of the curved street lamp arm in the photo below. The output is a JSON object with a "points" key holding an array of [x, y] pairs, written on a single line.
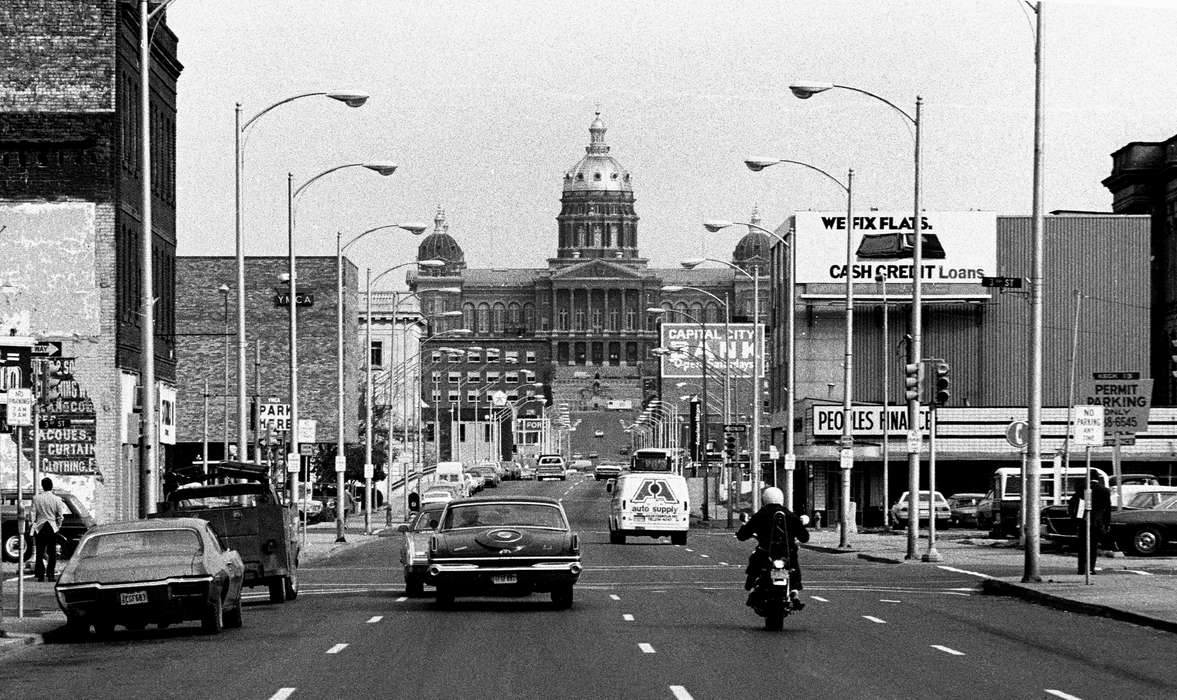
{"points": [[732, 265], [358, 236], [392, 269], [328, 171], [884, 100], [814, 168], [279, 103]]}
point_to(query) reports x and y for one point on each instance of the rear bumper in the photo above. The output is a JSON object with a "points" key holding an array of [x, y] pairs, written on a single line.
{"points": [[469, 576], [167, 601]]}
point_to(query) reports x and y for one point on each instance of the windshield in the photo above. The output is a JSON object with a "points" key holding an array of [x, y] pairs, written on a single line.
{"points": [[424, 521], [504, 514], [175, 541]]}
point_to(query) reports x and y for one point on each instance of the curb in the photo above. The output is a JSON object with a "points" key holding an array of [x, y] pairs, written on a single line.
{"points": [[994, 586], [12, 642], [878, 559], [828, 550]]}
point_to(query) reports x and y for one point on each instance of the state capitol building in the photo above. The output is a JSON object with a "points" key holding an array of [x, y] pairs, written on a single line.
{"points": [[581, 327]]}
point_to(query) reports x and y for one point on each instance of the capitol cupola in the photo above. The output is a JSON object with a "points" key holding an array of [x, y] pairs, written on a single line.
{"points": [[597, 218]]}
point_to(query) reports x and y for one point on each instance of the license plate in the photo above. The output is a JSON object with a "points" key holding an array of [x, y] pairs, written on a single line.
{"points": [[133, 598], [503, 578], [779, 576]]}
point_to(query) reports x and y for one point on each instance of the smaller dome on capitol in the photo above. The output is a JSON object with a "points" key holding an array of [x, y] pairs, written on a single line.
{"points": [[440, 245], [753, 249]]}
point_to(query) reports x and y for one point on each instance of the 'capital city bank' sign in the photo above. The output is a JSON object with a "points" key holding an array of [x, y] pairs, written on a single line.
{"points": [[732, 348]]}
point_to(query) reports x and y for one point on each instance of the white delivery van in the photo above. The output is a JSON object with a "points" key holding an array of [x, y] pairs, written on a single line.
{"points": [[649, 504], [452, 473]]}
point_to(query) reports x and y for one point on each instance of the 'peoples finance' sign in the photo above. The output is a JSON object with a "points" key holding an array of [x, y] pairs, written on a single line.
{"points": [[1125, 398]]}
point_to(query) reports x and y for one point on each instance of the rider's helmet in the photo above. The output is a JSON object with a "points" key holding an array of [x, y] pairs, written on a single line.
{"points": [[773, 496]]}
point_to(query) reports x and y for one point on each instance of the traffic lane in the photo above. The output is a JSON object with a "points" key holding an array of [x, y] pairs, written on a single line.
{"points": [[938, 607]]}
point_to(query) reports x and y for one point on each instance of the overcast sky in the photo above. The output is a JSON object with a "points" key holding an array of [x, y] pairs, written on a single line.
{"points": [[484, 105]]}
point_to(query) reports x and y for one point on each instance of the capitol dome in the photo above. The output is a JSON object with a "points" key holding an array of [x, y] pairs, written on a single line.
{"points": [[752, 251], [597, 171], [440, 245]]}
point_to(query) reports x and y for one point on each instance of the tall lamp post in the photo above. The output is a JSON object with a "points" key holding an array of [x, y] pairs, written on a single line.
{"points": [[805, 90], [350, 98], [340, 451], [846, 453], [292, 194], [224, 290]]}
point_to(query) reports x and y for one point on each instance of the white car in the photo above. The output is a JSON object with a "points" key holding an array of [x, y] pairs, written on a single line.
{"points": [[439, 494], [899, 513]]}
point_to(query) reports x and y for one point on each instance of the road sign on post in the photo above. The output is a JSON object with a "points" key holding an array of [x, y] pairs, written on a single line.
{"points": [[20, 407], [1125, 398], [307, 430], [1016, 433], [1088, 425]]}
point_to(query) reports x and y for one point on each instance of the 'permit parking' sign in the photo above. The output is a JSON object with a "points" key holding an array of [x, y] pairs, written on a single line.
{"points": [[1125, 398]]}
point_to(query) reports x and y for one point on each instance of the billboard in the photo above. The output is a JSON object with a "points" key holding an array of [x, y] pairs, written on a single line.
{"points": [[958, 247], [731, 345]]}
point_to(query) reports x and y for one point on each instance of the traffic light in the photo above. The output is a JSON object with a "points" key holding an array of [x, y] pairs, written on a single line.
{"points": [[729, 446], [913, 375], [943, 384], [1173, 355]]}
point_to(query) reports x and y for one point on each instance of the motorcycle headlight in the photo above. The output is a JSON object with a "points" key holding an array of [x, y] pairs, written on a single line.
{"points": [[778, 563]]}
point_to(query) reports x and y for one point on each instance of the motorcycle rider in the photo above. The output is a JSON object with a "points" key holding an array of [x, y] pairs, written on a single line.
{"points": [[761, 525]]}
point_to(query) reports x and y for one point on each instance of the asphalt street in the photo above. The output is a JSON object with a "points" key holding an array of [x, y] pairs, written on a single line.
{"points": [[650, 620]]}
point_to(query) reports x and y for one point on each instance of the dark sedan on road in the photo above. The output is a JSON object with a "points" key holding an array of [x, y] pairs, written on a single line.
{"points": [[160, 571], [504, 546], [1146, 531], [1058, 525]]}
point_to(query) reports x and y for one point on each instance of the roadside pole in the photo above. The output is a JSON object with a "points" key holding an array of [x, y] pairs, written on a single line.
{"points": [[21, 525], [1087, 522]]}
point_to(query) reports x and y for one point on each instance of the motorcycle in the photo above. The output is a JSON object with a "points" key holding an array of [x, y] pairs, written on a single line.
{"points": [[770, 596]]}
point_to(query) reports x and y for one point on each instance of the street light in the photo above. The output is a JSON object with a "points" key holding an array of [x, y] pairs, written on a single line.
{"points": [[351, 98], [292, 194], [757, 352], [804, 90], [846, 453], [340, 451]]}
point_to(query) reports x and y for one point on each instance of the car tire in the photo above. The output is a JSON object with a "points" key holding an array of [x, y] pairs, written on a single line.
{"points": [[104, 628], [232, 617], [445, 597], [562, 597], [277, 586], [76, 628], [136, 625], [213, 620], [12, 544], [414, 585], [679, 538], [616, 537], [1146, 541]]}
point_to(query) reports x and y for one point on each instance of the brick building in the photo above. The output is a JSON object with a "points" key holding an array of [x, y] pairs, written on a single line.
{"points": [[70, 222], [206, 313]]}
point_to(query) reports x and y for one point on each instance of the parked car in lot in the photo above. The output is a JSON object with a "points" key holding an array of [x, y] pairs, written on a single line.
{"points": [[1058, 525], [526, 471], [160, 571], [1146, 531], [488, 474], [899, 511], [550, 467], [504, 546], [511, 470], [248, 515], [963, 509], [414, 555], [607, 470], [77, 521]]}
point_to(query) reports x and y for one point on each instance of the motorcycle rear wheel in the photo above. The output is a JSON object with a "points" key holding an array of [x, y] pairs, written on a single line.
{"points": [[774, 621]]}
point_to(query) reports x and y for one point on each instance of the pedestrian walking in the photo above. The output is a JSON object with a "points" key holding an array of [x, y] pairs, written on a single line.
{"points": [[1100, 514], [48, 516]]}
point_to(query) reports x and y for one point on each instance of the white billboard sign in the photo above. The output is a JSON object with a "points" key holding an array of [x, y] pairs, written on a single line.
{"points": [[866, 420], [958, 247], [733, 348]]}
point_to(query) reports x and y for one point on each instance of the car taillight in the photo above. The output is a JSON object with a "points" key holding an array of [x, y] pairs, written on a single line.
{"points": [[433, 543], [575, 543]]}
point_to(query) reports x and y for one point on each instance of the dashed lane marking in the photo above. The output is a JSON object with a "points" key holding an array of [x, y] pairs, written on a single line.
{"points": [[1138, 571], [1061, 694], [889, 600], [687, 549], [337, 648], [947, 650], [402, 599], [374, 619], [819, 599], [614, 596], [680, 693], [705, 556], [646, 648], [284, 693], [874, 619], [627, 617], [724, 563]]}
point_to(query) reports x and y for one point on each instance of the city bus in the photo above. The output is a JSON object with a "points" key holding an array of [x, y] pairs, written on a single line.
{"points": [[657, 459]]}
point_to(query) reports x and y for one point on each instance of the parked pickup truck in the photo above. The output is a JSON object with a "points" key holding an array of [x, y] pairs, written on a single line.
{"points": [[247, 512]]}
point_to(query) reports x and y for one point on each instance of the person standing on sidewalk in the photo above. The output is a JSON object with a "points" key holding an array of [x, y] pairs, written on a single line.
{"points": [[1100, 514], [48, 516]]}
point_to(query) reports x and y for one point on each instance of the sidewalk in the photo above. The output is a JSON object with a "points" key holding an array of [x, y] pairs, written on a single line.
{"points": [[1124, 588], [42, 615]]}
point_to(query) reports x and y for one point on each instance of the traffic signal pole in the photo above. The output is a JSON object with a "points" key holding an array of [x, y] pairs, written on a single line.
{"points": [[912, 376]]}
